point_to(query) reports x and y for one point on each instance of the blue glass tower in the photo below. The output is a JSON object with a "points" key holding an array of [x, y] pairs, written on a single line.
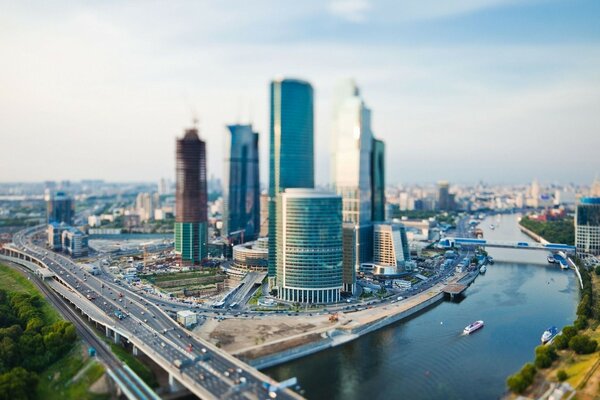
{"points": [[242, 188], [291, 154]]}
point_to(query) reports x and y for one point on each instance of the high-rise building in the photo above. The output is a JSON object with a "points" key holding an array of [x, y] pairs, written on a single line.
{"points": [[351, 155], [352, 146], [378, 181], [310, 247], [60, 208], [390, 245], [291, 158], [264, 214], [191, 219], [444, 200], [74, 242], [145, 204], [241, 194], [587, 225], [595, 189]]}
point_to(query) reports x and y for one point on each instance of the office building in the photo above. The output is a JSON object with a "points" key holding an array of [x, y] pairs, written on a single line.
{"points": [[291, 148], [55, 231], [264, 214], [390, 245], [250, 256], [309, 249], [241, 190], [587, 225], [444, 199], [378, 181], [60, 207], [191, 219], [74, 242], [351, 155], [357, 240], [145, 204]]}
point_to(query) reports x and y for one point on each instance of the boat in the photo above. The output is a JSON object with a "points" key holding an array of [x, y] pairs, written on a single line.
{"points": [[563, 264], [490, 260], [492, 227], [549, 334], [473, 327], [551, 259], [482, 269]]}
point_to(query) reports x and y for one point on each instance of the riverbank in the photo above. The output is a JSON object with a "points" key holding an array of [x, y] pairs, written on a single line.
{"points": [[273, 340]]}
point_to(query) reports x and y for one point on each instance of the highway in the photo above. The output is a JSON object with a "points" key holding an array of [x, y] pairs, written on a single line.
{"points": [[129, 383], [205, 370]]}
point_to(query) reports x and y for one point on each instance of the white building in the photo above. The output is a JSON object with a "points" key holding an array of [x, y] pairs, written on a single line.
{"points": [[390, 245], [187, 318]]}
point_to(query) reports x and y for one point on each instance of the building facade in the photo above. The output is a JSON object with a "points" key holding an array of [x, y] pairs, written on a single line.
{"points": [[378, 181], [390, 245], [191, 219], [587, 225], [74, 242], [241, 189], [291, 152], [60, 208], [310, 247]]}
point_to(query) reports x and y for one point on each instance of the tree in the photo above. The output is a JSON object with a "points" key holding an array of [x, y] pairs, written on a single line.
{"points": [[543, 361], [569, 331], [17, 384], [597, 270], [561, 375], [582, 344], [561, 342]]}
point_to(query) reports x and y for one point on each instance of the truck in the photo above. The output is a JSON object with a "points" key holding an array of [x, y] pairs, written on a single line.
{"points": [[177, 363], [92, 352]]}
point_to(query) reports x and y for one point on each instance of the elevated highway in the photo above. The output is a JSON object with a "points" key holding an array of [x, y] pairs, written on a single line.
{"points": [[205, 370]]}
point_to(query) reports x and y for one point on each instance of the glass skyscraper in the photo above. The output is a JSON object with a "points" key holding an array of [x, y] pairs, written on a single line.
{"points": [[291, 153], [378, 181], [60, 208], [241, 194], [587, 225], [191, 219], [310, 247]]}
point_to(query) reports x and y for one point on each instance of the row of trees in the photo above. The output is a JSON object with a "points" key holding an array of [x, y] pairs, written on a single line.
{"points": [[28, 344], [569, 338], [558, 231]]}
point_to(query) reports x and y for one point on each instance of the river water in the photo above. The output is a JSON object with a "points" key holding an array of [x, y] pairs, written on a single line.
{"points": [[427, 357]]}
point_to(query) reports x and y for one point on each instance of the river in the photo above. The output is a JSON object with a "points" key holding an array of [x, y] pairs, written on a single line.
{"points": [[427, 357]]}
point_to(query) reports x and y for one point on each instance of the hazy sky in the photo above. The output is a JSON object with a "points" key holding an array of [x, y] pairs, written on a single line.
{"points": [[499, 90]]}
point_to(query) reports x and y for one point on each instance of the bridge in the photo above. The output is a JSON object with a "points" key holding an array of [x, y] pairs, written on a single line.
{"points": [[126, 317], [451, 242]]}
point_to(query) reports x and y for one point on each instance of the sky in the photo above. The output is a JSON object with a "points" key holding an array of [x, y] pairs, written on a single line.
{"points": [[502, 91]]}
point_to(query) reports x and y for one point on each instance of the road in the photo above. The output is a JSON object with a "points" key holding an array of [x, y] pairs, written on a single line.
{"points": [[206, 368], [129, 383]]}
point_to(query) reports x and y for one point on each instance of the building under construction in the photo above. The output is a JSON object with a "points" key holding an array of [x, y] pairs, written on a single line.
{"points": [[191, 226]]}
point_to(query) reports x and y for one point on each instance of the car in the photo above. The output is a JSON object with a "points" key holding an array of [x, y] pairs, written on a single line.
{"points": [[145, 320]]}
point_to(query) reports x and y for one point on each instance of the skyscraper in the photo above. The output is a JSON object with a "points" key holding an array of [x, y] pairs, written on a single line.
{"points": [[390, 245], [59, 207], [191, 226], [291, 153], [443, 198], [587, 225], [352, 146], [310, 247], [378, 180], [241, 192]]}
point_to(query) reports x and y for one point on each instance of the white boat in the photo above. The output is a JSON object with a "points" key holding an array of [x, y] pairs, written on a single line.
{"points": [[549, 334], [482, 269], [473, 327], [492, 227]]}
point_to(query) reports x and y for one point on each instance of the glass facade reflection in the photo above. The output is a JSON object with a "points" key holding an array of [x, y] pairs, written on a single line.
{"points": [[241, 194], [587, 225], [378, 181], [291, 151], [310, 247]]}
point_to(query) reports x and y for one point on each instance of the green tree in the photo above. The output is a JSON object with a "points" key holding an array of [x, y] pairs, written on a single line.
{"points": [[561, 342], [597, 270], [582, 344], [17, 384], [569, 331], [561, 375]]}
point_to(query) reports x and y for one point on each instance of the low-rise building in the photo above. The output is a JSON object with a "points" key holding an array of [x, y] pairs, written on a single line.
{"points": [[74, 242], [187, 318], [55, 231]]}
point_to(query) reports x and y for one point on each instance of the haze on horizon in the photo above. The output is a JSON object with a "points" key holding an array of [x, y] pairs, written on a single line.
{"points": [[462, 90]]}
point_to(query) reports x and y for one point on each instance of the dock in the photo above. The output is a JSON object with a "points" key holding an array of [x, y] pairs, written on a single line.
{"points": [[454, 289]]}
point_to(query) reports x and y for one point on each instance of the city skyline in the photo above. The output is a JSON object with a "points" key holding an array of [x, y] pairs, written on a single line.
{"points": [[478, 77]]}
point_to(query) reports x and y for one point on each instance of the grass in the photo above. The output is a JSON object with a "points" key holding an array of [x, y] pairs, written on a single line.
{"points": [[13, 281], [56, 381], [142, 370]]}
